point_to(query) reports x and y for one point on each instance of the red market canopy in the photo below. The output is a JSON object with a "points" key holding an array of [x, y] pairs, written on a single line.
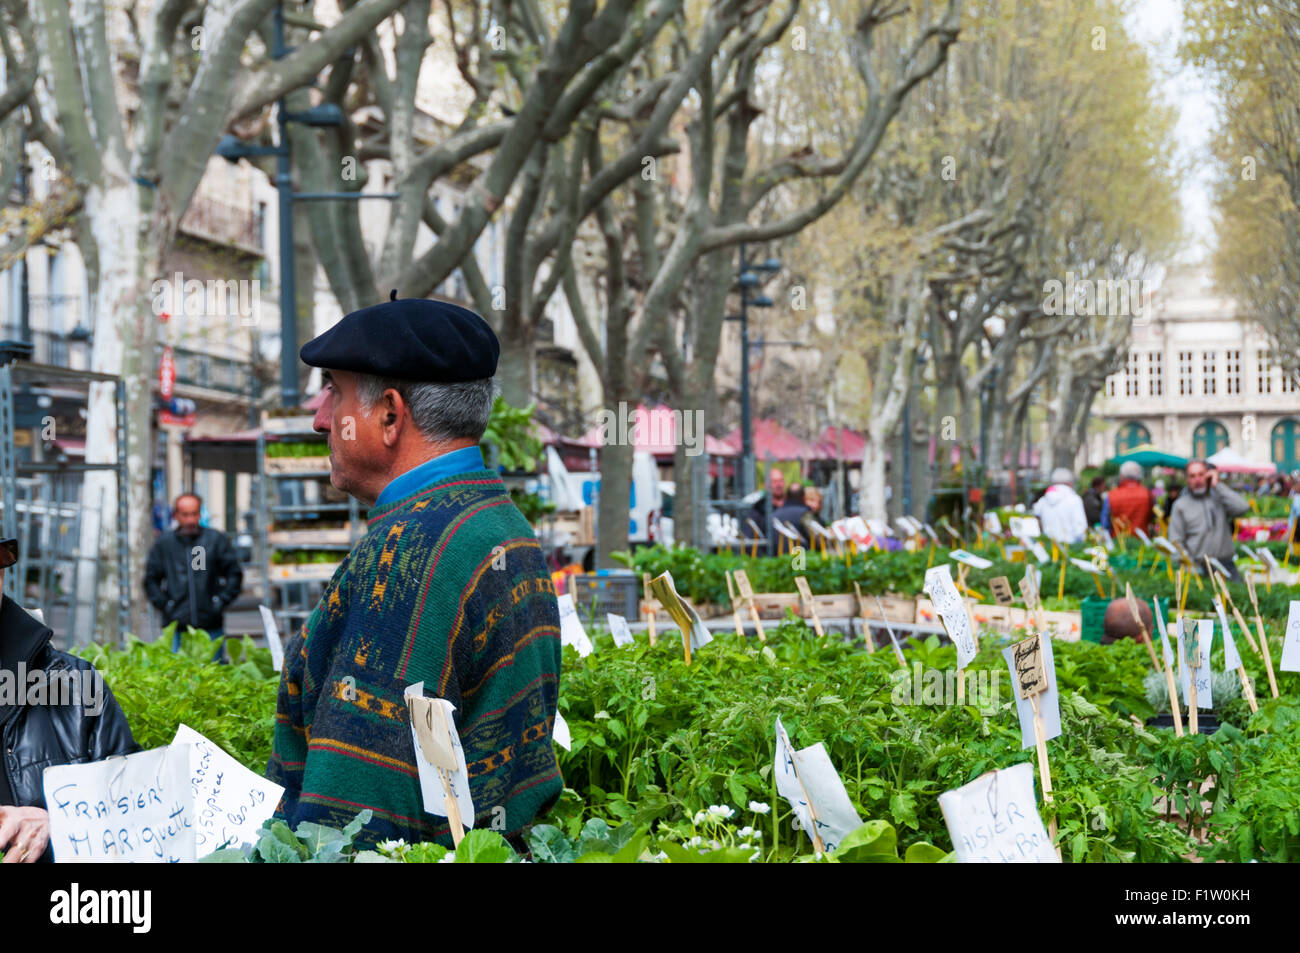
{"points": [[840, 443]]}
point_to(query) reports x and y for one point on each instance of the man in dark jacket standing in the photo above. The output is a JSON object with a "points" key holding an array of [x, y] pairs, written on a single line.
{"points": [[54, 709], [192, 573]]}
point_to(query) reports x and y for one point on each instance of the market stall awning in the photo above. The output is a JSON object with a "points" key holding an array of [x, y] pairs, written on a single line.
{"points": [[1230, 461], [840, 443], [653, 430], [1148, 456], [771, 439]]}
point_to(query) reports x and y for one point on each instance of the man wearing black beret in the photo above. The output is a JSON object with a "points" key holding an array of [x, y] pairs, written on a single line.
{"points": [[448, 587]]}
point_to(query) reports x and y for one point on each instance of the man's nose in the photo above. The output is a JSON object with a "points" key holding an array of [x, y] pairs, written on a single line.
{"points": [[321, 422]]}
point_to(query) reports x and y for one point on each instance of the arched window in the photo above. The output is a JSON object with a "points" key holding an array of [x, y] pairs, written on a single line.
{"points": [[1131, 435], [1208, 438], [1286, 444]]}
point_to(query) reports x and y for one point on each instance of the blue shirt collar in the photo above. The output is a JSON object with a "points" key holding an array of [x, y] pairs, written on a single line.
{"points": [[464, 460]]}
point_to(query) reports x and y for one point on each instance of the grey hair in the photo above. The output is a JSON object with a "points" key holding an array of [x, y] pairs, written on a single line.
{"points": [[440, 411], [1130, 469], [1062, 475]]}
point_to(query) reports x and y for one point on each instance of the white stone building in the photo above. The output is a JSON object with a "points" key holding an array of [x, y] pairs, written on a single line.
{"points": [[1199, 376]]}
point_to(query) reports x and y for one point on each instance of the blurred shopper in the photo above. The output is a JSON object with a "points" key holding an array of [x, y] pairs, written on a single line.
{"points": [[1201, 519], [193, 573], [1060, 510], [76, 724], [1130, 502], [1093, 501], [776, 494], [792, 513]]}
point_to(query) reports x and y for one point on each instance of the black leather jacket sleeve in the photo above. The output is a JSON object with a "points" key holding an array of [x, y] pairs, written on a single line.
{"points": [[109, 732], [155, 575], [229, 570]]}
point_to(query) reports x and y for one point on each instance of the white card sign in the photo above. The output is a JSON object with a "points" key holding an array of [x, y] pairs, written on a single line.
{"points": [[970, 559], [133, 809], [947, 602], [992, 523], [273, 642], [230, 801], [1164, 636], [1039, 551], [441, 749], [1049, 700], [994, 820], [618, 628], [560, 734], [807, 779], [1085, 566], [1204, 636], [1140, 534], [1291, 640], [1025, 527], [571, 630]]}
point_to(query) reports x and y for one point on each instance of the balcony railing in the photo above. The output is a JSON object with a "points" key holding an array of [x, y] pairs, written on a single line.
{"points": [[196, 369], [221, 223]]}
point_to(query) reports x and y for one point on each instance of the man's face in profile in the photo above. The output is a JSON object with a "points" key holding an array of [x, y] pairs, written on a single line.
{"points": [[777, 483]]}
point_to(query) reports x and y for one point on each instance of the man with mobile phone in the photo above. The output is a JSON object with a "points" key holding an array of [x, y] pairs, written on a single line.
{"points": [[1201, 520]]}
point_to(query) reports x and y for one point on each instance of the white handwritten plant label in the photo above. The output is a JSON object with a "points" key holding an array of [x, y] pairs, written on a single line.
{"points": [[1029, 587], [992, 523], [437, 748], [947, 602], [807, 779], [1025, 527], [571, 630], [929, 531], [133, 809], [618, 628], [1140, 534], [1266, 554], [560, 733], [970, 559], [994, 820], [1085, 565], [1227, 633], [1291, 640], [1049, 700], [273, 642], [1164, 636], [1204, 637], [230, 801], [1231, 657], [1161, 543]]}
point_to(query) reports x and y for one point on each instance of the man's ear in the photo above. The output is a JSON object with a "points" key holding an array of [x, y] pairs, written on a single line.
{"points": [[392, 411]]}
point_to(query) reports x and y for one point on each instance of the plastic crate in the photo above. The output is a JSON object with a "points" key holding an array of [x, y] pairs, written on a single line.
{"points": [[598, 593], [1092, 615]]}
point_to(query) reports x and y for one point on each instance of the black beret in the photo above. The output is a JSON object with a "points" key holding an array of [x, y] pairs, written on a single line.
{"points": [[412, 339]]}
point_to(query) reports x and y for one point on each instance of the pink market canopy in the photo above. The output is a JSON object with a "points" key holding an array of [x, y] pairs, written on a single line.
{"points": [[1230, 461], [653, 430], [771, 439]]}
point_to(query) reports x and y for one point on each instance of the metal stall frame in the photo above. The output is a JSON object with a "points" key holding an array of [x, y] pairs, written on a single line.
{"points": [[12, 360]]}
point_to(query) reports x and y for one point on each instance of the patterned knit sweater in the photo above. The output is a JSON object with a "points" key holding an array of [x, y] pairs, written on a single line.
{"points": [[449, 586]]}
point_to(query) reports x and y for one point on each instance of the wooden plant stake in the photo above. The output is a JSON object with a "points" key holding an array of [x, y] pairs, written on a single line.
{"points": [[862, 613], [1031, 681], [1263, 640], [1133, 607], [649, 609], [747, 594], [898, 651], [1060, 586], [1192, 704], [1221, 585], [806, 597], [735, 609]]}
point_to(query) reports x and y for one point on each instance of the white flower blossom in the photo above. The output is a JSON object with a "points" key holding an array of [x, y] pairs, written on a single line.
{"points": [[745, 833], [701, 817], [722, 811], [759, 808]]}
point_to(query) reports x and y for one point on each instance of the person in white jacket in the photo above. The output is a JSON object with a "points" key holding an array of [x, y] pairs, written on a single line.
{"points": [[1060, 510]]}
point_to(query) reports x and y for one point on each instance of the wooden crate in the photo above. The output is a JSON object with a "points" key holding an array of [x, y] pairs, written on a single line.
{"points": [[836, 606], [773, 604], [308, 537]]}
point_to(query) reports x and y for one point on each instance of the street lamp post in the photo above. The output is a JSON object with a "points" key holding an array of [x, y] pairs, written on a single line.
{"points": [[748, 279], [232, 149]]}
